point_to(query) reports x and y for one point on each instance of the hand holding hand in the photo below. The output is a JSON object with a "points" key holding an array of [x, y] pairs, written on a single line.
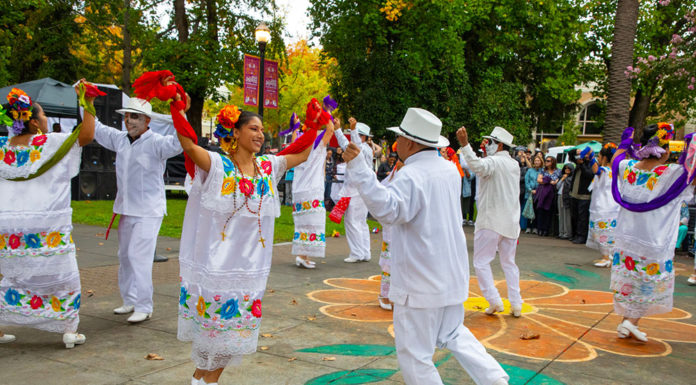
{"points": [[88, 99], [351, 152], [462, 136]]}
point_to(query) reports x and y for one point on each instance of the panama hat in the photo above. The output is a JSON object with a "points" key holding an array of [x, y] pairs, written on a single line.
{"points": [[422, 127], [363, 129], [501, 135], [137, 106]]}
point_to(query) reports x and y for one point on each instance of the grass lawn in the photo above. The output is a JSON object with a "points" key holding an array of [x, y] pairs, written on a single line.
{"points": [[99, 213]]}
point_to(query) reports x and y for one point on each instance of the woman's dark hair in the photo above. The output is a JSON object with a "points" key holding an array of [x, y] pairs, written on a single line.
{"points": [[245, 117], [553, 162], [568, 166], [607, 152], [648, 133]]}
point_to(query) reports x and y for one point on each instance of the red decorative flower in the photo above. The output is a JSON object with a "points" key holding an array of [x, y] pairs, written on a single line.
{"points": [[14, 241], [246, 187], [660, 170], [315, 203], [246, 297], [631, 177], [630, 264], [256, 308], [626, 289], [266, 166], [38, 140], [312, 237], [36, 302], [9, 157]]}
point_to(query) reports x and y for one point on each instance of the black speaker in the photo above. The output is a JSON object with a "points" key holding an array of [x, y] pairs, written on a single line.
{"points": [[107, 105], [94, 185], [175, 171], [97, 158]]}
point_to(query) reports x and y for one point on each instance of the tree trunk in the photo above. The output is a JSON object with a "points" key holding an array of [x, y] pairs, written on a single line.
{"points": [[195, 113], [619, 87], [180, 20], [211, 11], [640, 109], [127, 64]]}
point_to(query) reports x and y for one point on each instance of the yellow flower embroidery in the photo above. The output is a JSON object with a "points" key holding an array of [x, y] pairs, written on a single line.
{"points": [[384, 246], [650, 184], [602, 225], [303, 236], [2, 154], [55, 303], [53, 239], [228, 186], [626, 172], [306, 205], [34, 155], [200, 306], [3, 243], [652, 269]]}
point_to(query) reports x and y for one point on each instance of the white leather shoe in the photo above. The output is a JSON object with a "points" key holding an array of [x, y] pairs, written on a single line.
{"points": [[603, 263], [7, 338], [500, 381], [299, 262], [626, 328], [139, 317], [72, 339], [499, 307], [352, 260], [385, 305], [125, 309], [516, 311], [691, 280]]}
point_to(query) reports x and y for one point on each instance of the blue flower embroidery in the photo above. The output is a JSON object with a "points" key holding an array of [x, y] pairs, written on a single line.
{"points": [[77, 302], [22, 157], [322, 237], [642, 178], [298, 207], [183, 296], [591, 225], [617, 259], [227, 164], [229, 309], [3, 141], [646, 289], [297, 236], [262, 187], [12, 297], [32, 240], [668, 266], [613, 223]]}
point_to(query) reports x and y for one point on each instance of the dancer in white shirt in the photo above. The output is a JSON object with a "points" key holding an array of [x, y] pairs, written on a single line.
{"points": [[141, 157], [430, 269], [497, 227]]}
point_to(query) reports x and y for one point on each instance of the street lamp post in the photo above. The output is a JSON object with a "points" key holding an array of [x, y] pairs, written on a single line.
{"points": [[263, 35]]}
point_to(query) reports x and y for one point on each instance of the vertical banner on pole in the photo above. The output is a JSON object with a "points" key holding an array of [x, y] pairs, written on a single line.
{"points": [[252, 65], [270, 89]]}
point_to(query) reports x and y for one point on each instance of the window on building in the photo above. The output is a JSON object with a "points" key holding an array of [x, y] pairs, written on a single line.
{"points": [[587, 120]]}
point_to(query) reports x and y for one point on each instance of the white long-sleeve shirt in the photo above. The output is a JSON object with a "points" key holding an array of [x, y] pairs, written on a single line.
{"points": [[430, 266], [497, 192], [366, 154], [139, 169]]}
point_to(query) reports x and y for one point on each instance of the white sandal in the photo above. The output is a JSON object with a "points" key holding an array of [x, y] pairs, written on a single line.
{"points": [[692, 280], [299, 262], [384, 305], [72, 339], [627, 328], [7, 338], [499, 307]]}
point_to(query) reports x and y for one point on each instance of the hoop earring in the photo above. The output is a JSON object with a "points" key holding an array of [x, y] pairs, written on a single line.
{"points": [[234, 145]]}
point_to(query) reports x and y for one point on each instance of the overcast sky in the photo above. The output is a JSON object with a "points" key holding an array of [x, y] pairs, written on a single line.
{"points": [[297, 20]]}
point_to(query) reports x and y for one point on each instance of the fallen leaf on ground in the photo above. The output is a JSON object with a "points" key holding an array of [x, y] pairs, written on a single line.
{"points": [[529, 335], [154, 357], [293, 302], [328, 358], [292, 359], [100, 243], [90, 293], [100, 234], [311, 318], [353, 315], [323, 262], [264, 348], [583, 301], [267, 335], [168, 249], [270, 291]]}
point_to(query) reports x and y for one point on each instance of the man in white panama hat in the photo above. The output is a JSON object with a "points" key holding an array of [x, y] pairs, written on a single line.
{"points": [[141, 156], [430, 268], [497, 223]]}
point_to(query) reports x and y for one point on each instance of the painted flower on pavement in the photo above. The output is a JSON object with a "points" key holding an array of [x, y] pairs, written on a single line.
{"points": [[558, 314]]}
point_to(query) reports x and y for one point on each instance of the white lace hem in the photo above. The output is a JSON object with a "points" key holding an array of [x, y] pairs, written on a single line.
{"points": [[49, 325], [214, 349]]}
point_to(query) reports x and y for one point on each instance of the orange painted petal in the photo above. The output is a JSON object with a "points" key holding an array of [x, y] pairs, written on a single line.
{"points": [[375, 278], [668, 330], [354, 284], [604, 337], [362, 313], [576, 297], [674, 314], [482, 325], [549, 345], [593, 308], [344, 297], [541, 289]]}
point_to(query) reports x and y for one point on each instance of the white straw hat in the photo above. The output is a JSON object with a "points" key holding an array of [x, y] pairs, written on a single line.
{"points": [[136, 106], [501, 135], [422, 127]]}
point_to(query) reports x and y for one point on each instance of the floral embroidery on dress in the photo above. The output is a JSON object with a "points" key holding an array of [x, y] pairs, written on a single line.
{"points": [[19, 156], [233, 182], [602, 225], [221, 314], [307, 206], [57, 306], [309, 237], [645, 178], [35, 244]]}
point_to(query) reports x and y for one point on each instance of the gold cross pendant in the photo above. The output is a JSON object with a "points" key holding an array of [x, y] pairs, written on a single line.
{"points": [[223, 235], [263, 242]]}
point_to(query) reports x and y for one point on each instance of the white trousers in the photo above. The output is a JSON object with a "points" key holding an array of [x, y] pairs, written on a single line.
{"points": [[357, 230], [418, 330], [486, 243], [137, 239]]}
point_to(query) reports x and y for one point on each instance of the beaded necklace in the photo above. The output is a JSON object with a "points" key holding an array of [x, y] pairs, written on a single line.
{"points": [[257, 173]]}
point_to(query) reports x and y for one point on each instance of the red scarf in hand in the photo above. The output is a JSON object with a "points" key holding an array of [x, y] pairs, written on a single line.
{"points": [[183, 127], [149, 85]]}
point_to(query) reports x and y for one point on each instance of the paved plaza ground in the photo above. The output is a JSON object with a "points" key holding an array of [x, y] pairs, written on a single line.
{"points": [[323, 326]]}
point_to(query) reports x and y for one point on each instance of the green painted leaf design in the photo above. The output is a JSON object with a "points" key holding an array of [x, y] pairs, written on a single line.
{"points": [[352, 350], [557, 277], [360, 376], [519, 376], [585, 273]]}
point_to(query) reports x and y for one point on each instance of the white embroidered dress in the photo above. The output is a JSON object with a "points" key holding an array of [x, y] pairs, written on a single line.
{"points": [[308, 211], [603, 213], [385, 254], [40, 287], [642, 273], [223, 281]]}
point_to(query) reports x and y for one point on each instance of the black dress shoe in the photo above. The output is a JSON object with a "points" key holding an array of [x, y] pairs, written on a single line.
{"points": [[578, 241], [160, 258]]}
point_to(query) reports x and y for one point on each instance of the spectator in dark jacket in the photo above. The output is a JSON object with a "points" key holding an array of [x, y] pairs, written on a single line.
{"points": [[580, 196], [386, 167], [565, 229]]}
